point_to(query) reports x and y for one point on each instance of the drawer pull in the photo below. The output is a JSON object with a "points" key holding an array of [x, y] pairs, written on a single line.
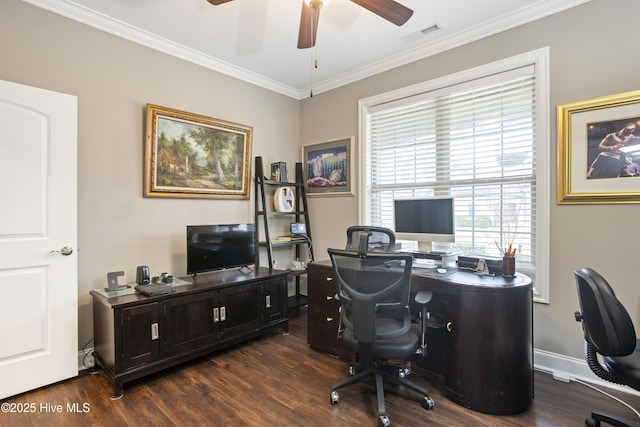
{"points": [[329, 297], [154, 331], [329, 319], [329, 279], [449, 326]]}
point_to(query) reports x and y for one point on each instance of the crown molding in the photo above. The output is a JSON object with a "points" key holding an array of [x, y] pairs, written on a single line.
{"points": [[121, 29]]}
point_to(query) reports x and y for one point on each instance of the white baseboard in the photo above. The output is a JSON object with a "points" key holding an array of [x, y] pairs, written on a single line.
{"points": [[565, 368]]}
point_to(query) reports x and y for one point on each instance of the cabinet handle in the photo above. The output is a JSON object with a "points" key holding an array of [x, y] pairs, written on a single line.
{"points": [[268, 301], [329, 298], [216, 316], [154, 331], [449, 326], [223, 314], [329, 319], [329, 279]]}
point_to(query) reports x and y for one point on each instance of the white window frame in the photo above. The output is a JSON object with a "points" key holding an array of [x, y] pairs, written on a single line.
{"points": [[540, 60]]}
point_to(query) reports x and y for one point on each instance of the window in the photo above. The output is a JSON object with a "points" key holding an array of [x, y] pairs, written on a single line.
{"points": [[480, 136]]}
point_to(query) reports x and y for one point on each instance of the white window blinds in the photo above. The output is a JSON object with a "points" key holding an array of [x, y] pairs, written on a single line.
{"points": [[474, 140]]}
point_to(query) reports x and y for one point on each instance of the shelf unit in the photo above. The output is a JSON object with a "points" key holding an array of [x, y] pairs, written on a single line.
{"points": [[264, 215]]}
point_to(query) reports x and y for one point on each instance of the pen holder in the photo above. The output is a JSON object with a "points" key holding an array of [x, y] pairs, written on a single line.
{"points": [[508, 266]]}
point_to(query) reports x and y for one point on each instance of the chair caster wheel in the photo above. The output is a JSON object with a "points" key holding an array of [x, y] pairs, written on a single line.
{"points": [[428, 403], [383, 421], [335, 398], [403, 372], [590, 422]]}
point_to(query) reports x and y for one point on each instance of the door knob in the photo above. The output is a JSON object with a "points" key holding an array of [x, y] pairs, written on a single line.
{"points": [[66, 251]]}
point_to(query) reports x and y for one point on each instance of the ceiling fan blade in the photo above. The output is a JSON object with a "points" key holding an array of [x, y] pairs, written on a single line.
{"points": [[217, 2], [390, 10], [308, 26]]}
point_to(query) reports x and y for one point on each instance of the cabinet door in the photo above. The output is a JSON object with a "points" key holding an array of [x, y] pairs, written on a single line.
{"points": [[502, 349], [239, 309], [140, 335], [274, 292], [191, 322]]}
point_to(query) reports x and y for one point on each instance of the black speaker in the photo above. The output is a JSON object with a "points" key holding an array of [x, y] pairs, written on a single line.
{"points": [[142, 275]]}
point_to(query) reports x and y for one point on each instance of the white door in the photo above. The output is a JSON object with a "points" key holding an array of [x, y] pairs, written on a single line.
{"points": [[38, 215]]}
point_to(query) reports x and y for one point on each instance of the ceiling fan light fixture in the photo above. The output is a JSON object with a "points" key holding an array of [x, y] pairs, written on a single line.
{"points": [[316, 4]]}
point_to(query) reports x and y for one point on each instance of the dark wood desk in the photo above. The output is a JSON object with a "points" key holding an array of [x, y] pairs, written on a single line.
{"points": [[480, 334]]}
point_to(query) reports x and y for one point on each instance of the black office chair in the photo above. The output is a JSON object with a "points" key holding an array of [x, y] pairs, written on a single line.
{"points": [[374, 289], [608, 331], [380, 238]]}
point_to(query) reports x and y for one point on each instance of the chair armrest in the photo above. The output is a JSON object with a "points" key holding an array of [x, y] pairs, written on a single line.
{"points": [[423, 297], [598, 417]]}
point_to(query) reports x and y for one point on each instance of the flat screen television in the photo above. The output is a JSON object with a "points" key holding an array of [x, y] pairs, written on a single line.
{"points": [[429, 221], [221, 246]]}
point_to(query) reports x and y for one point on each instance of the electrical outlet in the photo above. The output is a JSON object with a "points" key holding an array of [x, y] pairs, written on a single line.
{"points": [[89, 362]]}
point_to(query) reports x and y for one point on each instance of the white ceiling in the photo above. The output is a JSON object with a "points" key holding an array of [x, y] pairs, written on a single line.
{"points": [[255, 40]]}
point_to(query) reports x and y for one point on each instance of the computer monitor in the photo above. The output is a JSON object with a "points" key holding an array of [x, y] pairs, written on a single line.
{"points": [[429, 221]]}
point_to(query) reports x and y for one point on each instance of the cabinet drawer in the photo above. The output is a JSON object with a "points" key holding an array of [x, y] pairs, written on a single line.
{"points": [[323, 317]]}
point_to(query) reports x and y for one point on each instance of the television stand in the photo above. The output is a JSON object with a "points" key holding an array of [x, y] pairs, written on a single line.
{"points": [[137, 335]]}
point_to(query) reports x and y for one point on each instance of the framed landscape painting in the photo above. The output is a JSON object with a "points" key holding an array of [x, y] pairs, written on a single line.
{"points": [[328, 168], [192, 156]]}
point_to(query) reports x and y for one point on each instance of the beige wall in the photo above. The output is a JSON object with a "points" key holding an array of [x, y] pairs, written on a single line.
{"points": [[588, 59], [113, 80]]}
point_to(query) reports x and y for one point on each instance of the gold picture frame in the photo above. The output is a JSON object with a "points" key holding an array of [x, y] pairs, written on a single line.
{"points": [[599, 150], [193, 156]]}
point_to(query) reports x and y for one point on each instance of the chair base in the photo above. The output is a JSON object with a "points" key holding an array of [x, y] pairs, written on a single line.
{"points": [[381, 372]]}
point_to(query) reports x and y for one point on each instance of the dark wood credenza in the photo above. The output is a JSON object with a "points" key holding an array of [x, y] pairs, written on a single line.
{"points": [[136, 335], [480, 335]]}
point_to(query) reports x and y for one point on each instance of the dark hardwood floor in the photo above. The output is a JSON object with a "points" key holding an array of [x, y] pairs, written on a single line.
{"points": [[277, 380]]}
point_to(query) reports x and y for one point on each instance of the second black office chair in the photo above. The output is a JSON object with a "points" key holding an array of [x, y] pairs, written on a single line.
{"points": [[374, 290], [608, 331]]}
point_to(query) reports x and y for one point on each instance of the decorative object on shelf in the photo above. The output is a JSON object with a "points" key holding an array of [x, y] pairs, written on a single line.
{"points": [[112, 281], [142, 275], [284, 199], [599, 150], [279, 172], [329, 167], [192, 156]]}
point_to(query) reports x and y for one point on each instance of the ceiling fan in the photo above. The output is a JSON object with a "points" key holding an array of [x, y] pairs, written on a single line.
{"points": [[390, 10]]}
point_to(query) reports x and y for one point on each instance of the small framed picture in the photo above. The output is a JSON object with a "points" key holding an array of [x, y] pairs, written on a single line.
{"points": [[279, 172], [329, 168]]}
